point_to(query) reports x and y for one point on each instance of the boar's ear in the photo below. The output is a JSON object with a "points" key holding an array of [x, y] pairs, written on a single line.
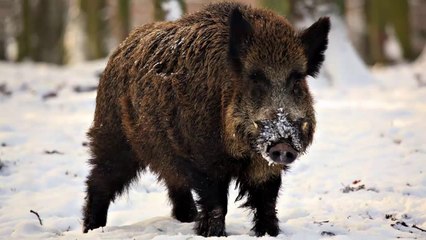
{"points": [[239, 31], [315, 40]]}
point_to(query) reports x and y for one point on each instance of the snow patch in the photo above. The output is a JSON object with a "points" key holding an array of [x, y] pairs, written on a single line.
{"points": [[173, 10], [392, 46]]}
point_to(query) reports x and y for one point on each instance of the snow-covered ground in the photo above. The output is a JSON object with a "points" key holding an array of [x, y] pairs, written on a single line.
{"points": [[363, 178]]}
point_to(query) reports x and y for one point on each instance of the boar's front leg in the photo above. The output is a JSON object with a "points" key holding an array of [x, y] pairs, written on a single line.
{"points": [[262, 199], [213, 202]]}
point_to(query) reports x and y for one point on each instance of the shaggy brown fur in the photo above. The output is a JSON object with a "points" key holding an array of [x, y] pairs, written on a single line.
{"points": [[185, 98]]}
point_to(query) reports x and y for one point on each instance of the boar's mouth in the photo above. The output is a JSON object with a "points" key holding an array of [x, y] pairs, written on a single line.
{"points": [[279, 140]]}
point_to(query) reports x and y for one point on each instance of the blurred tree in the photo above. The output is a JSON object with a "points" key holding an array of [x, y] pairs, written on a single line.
{"points": [[25, 31], [95, 27], [2, 49], [281, 7], [124, 17], [418, 27], [160, 12], [399, 19], [120, 19], [5, 9], [355, 18], [380, 14], [2, 39], [42, 31]]}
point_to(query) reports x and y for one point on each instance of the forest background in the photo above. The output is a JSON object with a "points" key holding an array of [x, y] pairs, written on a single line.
{"points": [[71, 31]]}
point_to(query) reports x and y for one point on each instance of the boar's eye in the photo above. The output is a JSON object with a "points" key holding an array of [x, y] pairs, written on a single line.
{"points": [[259, 86], [296, 76], [258, 76]]}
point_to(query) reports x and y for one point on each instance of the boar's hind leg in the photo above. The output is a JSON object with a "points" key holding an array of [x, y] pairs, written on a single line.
{"points": [[184, 208], [213, 202], [262, 198], [113, 168]]}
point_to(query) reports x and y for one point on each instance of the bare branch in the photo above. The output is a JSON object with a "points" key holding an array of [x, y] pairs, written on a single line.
{"points": [[38, 216]]}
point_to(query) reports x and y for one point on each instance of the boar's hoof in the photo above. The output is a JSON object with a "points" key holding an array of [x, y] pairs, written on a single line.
{"points": [[210, 226], [267, 227], [90, 224], [283, 153]]}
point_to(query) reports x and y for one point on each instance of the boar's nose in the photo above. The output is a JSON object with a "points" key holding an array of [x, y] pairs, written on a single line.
{"points": [[282, 153]]}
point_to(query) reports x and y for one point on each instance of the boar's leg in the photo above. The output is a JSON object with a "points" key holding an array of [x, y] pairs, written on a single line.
{"points": [[113, 168], [184, 208], [262, 199], [213, 202]]}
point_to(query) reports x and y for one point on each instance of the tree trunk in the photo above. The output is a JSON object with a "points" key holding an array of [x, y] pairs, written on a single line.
{"points": [[119, 19], [124, 18], [355, 18], [399, 18], [2, 49], [6, 9], [42, 35], [95, 28], [48, 37], [417, 14], [2, 40], [24, 44], [382, 13]]}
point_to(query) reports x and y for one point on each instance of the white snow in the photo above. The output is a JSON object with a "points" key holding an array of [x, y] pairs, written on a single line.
{"points": [[172, 9], [364, 177], [392, 47]]}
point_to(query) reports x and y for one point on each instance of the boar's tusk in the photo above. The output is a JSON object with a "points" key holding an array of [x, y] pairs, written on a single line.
{"points": [[305, 126]]}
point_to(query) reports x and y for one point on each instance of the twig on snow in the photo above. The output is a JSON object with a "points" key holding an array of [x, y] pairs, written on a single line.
{"points": [[328, 234], [38, 216], [53, 152], [419, 228]]}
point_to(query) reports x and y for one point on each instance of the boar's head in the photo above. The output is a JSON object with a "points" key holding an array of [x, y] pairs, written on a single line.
{"points": [[272, 109]]}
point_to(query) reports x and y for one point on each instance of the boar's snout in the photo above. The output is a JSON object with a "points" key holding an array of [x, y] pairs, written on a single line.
{"points": [[282, 153]]}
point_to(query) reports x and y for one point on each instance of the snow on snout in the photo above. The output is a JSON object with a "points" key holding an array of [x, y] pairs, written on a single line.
{"points": [[274, 130]]}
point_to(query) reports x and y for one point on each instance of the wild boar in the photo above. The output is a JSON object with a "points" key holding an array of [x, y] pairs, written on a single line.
{"points": [[220, 94]]}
